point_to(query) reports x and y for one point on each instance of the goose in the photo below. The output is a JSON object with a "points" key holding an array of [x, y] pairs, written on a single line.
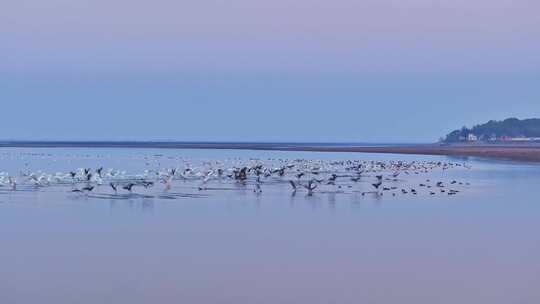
{"points": [[88, 188], [128, 187], [99, 170], [377, 185]]}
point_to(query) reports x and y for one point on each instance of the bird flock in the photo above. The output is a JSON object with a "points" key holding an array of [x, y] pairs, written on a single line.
{"points": [[294, 176]]}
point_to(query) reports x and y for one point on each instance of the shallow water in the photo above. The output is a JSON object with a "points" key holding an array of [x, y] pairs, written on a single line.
{"points": [[480, 246]]}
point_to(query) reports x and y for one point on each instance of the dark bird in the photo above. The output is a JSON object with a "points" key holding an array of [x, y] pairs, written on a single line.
{"points": [[377, 185], [99, 170], [114, 187], [88, 188], [128, 187], [147, 184], [241, 174]]}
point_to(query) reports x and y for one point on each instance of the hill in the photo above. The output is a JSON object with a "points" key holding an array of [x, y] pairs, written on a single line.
{"points": [[511, 129]]}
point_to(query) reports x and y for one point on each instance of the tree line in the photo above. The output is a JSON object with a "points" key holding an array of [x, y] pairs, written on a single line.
{"points": [[495, 130]]}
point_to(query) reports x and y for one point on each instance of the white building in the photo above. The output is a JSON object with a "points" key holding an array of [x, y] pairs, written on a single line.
{"points": [[472, 137]]}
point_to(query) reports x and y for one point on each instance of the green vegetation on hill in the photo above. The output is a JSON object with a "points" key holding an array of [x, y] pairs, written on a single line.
{"points": [[497, 130]]}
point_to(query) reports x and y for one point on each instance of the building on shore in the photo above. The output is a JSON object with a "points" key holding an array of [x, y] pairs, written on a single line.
{"points": [[472, 137]]}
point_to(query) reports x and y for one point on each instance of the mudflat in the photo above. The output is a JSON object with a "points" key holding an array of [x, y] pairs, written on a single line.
{"points": [[510, 152], [519, 152]]}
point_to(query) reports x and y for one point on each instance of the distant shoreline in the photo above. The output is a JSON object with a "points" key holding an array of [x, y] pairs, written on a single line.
{"points": [[520, 152], [510, 152]]}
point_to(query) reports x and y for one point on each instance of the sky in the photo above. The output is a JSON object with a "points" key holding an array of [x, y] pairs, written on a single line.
{"points": [[280, 70]]}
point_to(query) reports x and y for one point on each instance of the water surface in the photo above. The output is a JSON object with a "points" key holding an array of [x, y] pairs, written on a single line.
{"points": [[480, 246]]}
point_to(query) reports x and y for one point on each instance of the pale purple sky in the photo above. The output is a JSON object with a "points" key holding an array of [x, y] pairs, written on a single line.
{"points": [[274, 70]]}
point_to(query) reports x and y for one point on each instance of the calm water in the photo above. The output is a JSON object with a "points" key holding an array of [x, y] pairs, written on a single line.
{"points": [[480, 246]]}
